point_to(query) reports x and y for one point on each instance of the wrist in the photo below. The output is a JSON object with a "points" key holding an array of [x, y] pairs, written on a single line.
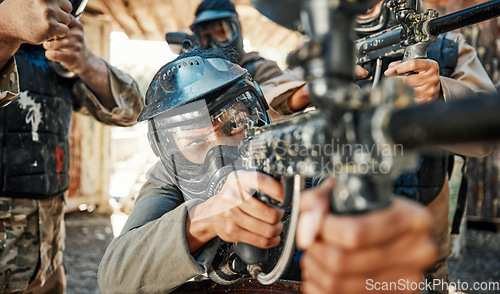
{"points": [[91, 67], [7, 50], [198, 231]]}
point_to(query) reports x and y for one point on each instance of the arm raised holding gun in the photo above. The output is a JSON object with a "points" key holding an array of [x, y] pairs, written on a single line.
{"points": [[73, 53], [31, 22]]}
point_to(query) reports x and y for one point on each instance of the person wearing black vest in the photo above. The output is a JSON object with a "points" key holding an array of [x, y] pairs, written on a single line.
{"points": [[452, 70], [35, 121], [217, 25]]}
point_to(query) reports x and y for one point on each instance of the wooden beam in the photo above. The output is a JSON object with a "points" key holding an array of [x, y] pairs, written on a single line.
{"points": [[165, 18], [184, 12], [121, 15], [142, 11]]}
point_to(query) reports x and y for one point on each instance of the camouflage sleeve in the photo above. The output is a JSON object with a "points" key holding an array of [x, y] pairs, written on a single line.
{"points": [[127, 95], [9, 82]]}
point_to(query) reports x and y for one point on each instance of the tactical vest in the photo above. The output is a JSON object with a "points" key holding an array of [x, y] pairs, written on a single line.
{"points": [[34, 130], [427, 181]]}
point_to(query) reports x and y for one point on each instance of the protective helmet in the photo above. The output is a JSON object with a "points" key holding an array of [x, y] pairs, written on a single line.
{"points": [[217, 25], [198, 108]]}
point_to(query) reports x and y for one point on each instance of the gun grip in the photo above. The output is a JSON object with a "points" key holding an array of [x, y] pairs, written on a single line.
{"points": [[250, 254]]}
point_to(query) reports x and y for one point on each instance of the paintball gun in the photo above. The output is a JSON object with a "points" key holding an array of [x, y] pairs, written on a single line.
{"points": [[180, 42], [337, 139], [408, 40]]}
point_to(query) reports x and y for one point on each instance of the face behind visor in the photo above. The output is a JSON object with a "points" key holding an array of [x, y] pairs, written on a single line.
{"points": [[216, 33], [218, 29], [197, 140], [376, 19]]}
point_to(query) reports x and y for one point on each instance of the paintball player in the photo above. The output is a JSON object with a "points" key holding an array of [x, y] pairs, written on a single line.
{"points": [[217, 25], [452, 70], [35, 123], [199, 196]]}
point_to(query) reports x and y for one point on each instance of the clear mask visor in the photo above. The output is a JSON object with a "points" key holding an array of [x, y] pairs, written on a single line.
{"points": [[215, 32], [195, 128]]}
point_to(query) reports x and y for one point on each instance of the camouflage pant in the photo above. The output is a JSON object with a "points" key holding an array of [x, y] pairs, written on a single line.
{"points": [[32, 236]]}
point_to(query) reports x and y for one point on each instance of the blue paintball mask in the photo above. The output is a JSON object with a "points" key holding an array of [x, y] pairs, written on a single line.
{"points": [[198, 110]]}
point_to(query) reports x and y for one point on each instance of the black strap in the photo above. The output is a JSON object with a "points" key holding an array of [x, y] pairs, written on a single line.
{"points": [[461, 202], [444, 52]]}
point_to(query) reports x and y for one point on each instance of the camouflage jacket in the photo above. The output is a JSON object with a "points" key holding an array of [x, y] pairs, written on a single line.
{"points": [[35, 121]]}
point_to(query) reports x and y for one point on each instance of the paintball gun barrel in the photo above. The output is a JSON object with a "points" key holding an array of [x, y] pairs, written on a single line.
{"points": [[314, 144], [393, 41]]}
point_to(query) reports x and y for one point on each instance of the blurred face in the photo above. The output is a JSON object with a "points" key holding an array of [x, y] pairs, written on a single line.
{"points": [[219, 31], [226, 129]]}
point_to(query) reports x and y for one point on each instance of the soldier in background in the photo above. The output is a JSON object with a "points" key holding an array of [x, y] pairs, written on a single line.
{"points": [[34, 127], [217, 25]]}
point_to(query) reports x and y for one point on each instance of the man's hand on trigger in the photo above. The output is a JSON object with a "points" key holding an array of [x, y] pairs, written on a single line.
{"points": [[299, 99], [424, 80], [235, 215]]}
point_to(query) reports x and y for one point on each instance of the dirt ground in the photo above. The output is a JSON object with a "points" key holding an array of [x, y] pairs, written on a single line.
{"points": [[88, 235]]}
